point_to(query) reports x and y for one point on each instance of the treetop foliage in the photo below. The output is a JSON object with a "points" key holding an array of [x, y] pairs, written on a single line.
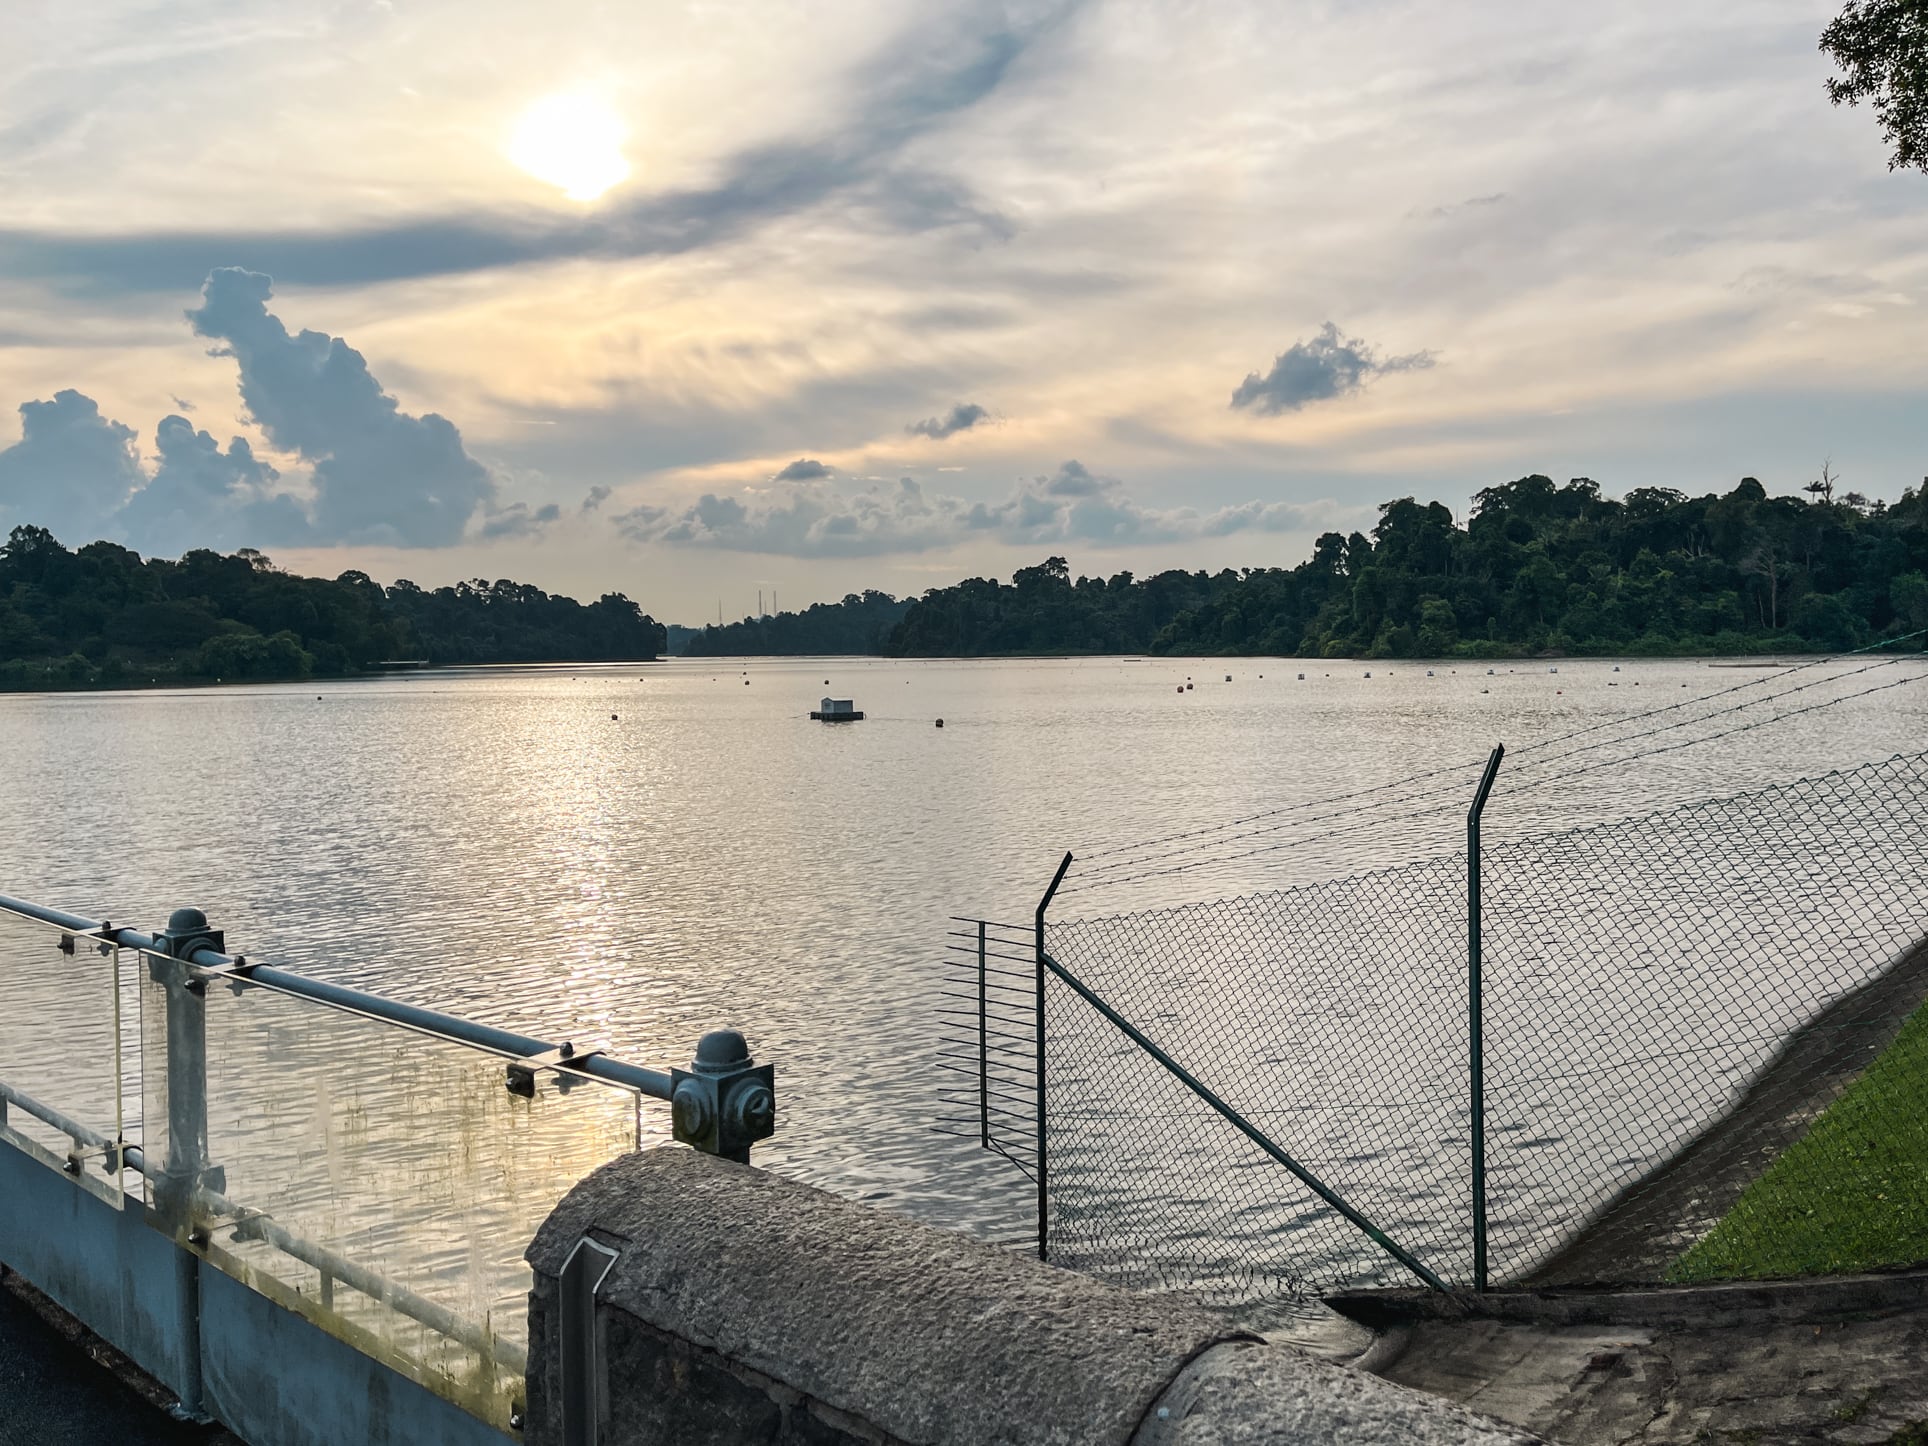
{"points": [[859, 623], [1539, 568], [1882, 45], [105, 615]]}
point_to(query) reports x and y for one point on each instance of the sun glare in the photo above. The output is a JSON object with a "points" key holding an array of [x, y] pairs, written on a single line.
{"points": [[573, 142]]}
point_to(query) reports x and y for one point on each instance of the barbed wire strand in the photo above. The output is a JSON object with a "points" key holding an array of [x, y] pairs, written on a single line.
{"points": [[1748, 727], [1525, 748], [1105, 870]]}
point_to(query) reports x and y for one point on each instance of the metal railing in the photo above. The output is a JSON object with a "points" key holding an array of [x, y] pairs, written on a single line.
{"points": [[722, 1104]]}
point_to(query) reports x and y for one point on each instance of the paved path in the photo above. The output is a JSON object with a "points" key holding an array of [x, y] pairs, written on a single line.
{"points": [[52, 1393]]}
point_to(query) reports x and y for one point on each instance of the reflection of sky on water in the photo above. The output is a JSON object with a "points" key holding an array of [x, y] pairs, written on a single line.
{"points": [[497, 843]]}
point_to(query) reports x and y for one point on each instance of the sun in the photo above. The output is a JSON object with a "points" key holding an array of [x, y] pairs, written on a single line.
{"points": [[572, 141]]}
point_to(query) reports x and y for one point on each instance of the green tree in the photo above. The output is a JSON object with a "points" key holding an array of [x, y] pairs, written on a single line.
{"points": [[1882, 46]]}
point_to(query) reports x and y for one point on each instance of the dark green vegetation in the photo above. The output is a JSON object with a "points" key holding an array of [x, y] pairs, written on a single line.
{"points": [[1882, 45], [105, 616], [1851, 1194], [1540, 568], [858, 624]]}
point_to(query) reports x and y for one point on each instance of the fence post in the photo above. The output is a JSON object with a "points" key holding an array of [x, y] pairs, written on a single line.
{"points": [[186, 1168], [1044, 1172], [1475, 1015], [983, 1047]]}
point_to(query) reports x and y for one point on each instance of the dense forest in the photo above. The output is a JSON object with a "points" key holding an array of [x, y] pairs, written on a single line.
{"points": [[1539, 568], [105, 616], [858, 624]]}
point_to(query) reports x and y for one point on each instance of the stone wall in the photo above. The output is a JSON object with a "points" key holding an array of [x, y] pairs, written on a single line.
{"points": [[743, 1308]]}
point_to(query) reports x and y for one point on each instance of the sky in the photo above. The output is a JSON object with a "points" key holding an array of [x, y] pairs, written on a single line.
{"points": [[695, 300]]}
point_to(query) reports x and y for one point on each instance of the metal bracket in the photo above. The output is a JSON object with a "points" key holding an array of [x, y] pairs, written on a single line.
{"points": [[69, 938], [238, 968], [521, 1074]]}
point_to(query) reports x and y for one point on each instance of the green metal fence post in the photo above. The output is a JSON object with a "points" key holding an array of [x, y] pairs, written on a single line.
{"points": [[983, 1046], [1475, 1016], [1044, 1174]]}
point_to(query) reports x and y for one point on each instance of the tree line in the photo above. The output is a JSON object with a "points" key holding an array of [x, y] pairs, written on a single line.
{"points": [[860, 623], [1539, 568], [103, 615]]}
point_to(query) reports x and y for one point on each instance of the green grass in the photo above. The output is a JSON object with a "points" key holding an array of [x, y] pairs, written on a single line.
{"points": [[1851, 1194]]}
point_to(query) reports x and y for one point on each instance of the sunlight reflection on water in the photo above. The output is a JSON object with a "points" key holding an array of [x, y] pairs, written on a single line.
{"points": [[632, 855]]}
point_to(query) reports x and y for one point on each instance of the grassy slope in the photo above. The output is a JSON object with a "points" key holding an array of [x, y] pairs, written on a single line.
{"points": [[1851, 1194]]}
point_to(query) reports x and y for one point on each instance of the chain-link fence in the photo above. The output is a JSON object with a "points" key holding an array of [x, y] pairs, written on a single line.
{"points": [[1699, 1060]]}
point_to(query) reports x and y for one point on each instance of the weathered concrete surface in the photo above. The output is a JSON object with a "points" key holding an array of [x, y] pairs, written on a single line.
{"points": [[1243, 1395], [1766, 1363], [747, 1308]]}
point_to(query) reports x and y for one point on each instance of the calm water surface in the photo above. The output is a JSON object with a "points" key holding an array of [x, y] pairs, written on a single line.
{"points": [[634, 854]]}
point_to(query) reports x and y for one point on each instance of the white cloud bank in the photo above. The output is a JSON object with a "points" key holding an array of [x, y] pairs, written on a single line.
{"points": [[1072, 506]]}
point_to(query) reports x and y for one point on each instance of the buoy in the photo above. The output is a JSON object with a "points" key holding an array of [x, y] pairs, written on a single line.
{"points": [[1228, 677], [940, 722], [1558, 691], [1181, 687], [826, 682], [746, 682], [1188, 687], [612, 717]]}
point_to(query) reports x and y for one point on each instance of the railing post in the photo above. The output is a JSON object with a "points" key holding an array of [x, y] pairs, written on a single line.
{"points": [[186, 1169], [1044, 1153], [725, 1101], [1475, 1015]]}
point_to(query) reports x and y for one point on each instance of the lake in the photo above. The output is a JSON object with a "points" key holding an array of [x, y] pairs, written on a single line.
{"points": [[631, 855]]}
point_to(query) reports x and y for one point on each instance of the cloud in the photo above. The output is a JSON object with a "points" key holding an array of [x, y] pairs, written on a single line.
{"points": [[204, 496], [804, 469], [935, 72], [517, 520], [1493, 198], [71, 469], [961, 418], [380, 475], [598, 495], [1072, 505], [1326, 367]]}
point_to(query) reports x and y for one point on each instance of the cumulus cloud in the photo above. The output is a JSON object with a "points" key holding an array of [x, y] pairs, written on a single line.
{"points": [[1327, 366], [1071, 505], [380, 474], [598, 495], [71, 469], [518, 520], [804, 469], [377, 474], [960, 418], [202, 495]]}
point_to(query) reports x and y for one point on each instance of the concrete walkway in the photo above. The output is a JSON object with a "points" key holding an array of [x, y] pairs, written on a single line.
{"points": [[54, 1393], [1842, 1361]]}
